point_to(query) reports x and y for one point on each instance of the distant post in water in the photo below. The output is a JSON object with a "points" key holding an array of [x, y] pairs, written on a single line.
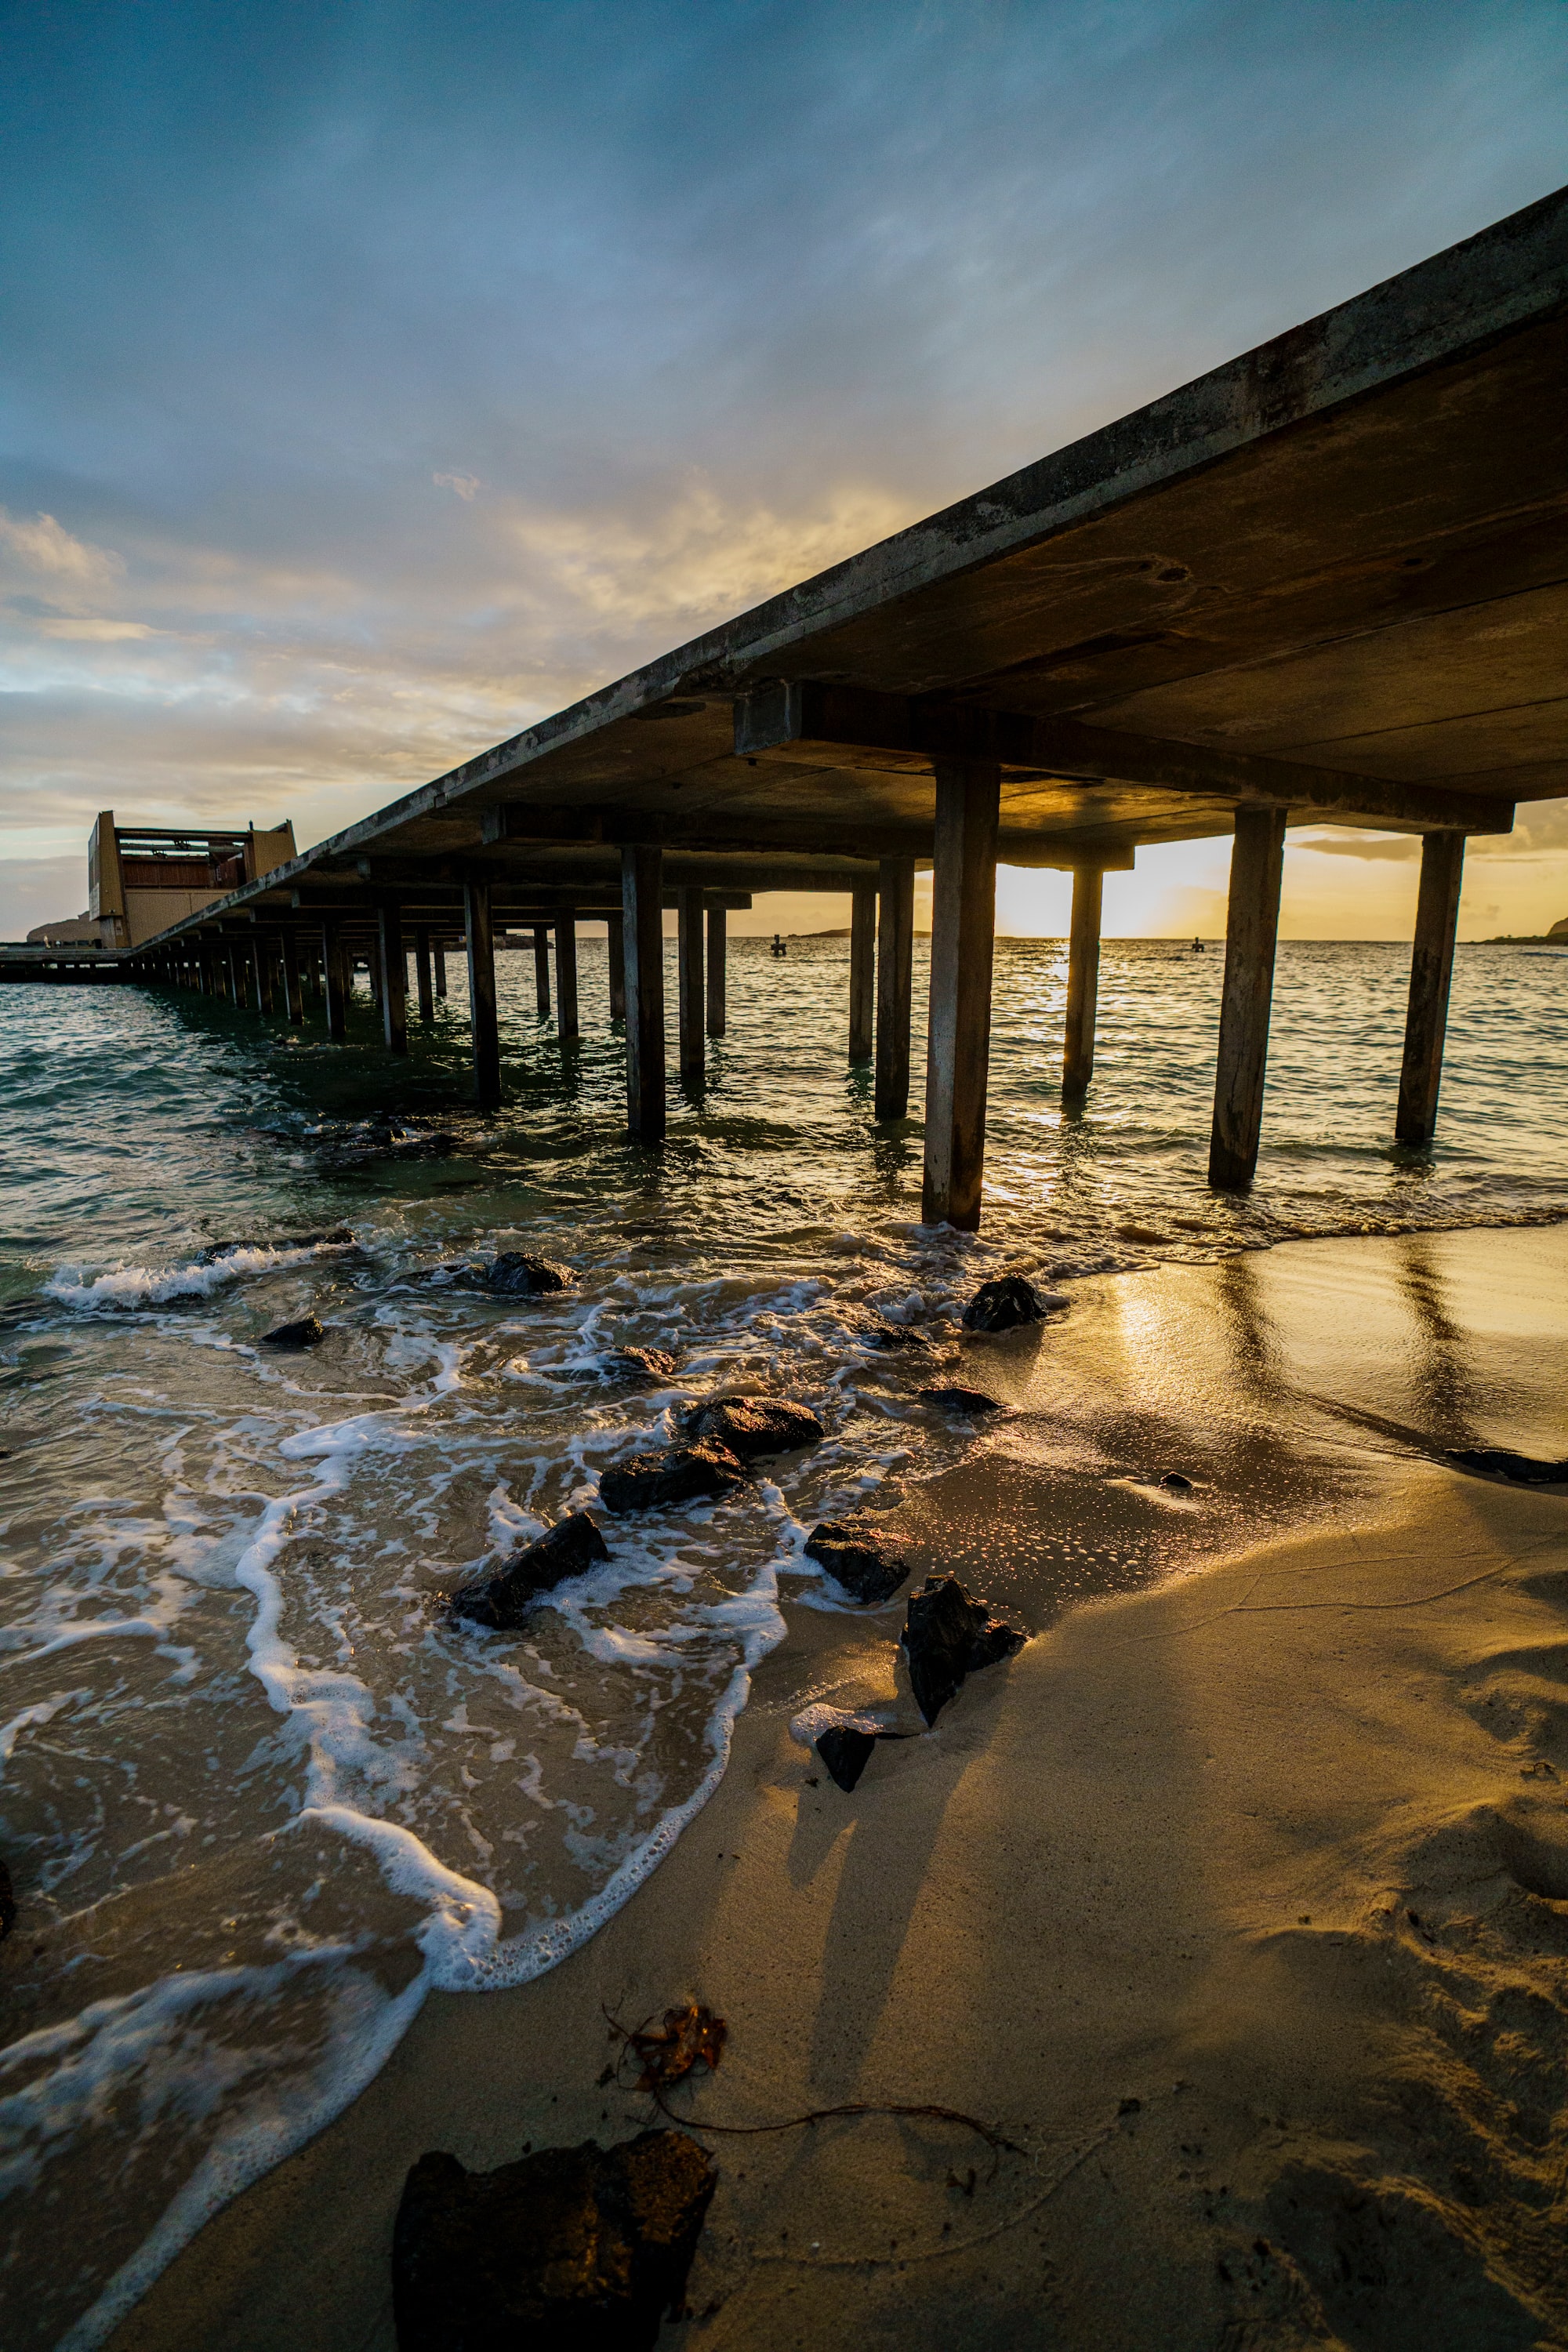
{"points": [[422, 972], [392, 971], [1431, 974], [962, 946], [717, 958], [335, 982], [689, 970], [862, 969], [615, 966], [1252, 926], [566, 971], [1083, 979], [895, 965], [293, 992], [642, 927], [482, 995]]}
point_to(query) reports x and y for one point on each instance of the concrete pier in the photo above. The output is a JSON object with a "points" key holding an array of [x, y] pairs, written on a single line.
{"points": [[392, 976], [963, 933], [566, 973], [1083, 979], [1431, 974], [691, 986], [424, 983], [642, 916], [1251, 931], [718, 963], [542, 970], [895, 972], [862, 971], [616, 965], [486, 1033]]}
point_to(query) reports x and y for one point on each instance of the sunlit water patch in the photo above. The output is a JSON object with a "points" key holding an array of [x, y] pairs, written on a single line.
{"points": [[257, 1791]]}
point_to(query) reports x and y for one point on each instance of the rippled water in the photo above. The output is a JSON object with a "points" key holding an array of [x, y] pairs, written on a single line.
{"points": [[257, 1795]]}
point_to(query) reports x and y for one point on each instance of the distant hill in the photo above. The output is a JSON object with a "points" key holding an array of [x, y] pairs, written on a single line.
{"points": [[1556, 936]]}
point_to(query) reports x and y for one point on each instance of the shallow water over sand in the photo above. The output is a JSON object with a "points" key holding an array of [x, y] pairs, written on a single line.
{"points": [[257, 1797]]}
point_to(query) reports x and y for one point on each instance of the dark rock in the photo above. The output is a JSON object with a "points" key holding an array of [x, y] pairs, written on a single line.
{"points": [[644, 1363], [959, 1400], [859, 1558], [896, 1335], [751, 1425], [678, 1474], [1004, 1304], [7, 1903], [574, 2249], [515, 1274], [947, 1636], [845, 1750], [308, 1332], [1496, 1462], [1175, 1484], [504, 1600]]}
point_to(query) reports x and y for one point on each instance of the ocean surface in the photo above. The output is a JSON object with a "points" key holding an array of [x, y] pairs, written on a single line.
{"points": [[257, 1794]]}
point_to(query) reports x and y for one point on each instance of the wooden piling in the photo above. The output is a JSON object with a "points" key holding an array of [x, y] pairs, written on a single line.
{"points": [[895, 954], [718, 959], [542, 970], [335, 981], [616, 964], [440, 955], [486, 1029], [566, 973], [392, 972], [862, 969], [1252, 925], [422, 978], [1083, 979], [294, 993], [963, 944], [1431, 974], [642, 923], [689, 976]]}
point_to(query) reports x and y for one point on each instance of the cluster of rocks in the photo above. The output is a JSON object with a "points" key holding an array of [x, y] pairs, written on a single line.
{"points": [[578, 2249], [949, 1634]]}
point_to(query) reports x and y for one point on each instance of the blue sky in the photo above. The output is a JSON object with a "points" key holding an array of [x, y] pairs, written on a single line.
{"points": [[376, 378]]}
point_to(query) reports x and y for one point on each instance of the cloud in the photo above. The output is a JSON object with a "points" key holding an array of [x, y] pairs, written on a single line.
{"points": [[44, 550], [464, 484], [1398, 848], [93, 632]]}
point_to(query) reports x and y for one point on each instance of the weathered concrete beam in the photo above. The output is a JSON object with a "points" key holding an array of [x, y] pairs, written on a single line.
{"points": [[804, 719]]}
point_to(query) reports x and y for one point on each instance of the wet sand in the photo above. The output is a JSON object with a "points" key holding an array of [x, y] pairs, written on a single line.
{"points": [[1239, 1901]]}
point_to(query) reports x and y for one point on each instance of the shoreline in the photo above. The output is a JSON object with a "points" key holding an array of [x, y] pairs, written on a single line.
{"points": [[1188, 1806]]}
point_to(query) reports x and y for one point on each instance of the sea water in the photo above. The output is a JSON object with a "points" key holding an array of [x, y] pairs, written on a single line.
{"points": [[258, 1792]]}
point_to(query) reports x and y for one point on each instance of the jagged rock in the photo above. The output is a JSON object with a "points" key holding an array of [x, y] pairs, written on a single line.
{"points": [[959, 1399], [1002, 1305], [753, 1425], [896, 1335], [845, 1750], [503, 1601], [859, 1558], [515, 1274], [947, 1636], [308, 1332], [676, 1474], [644, 1363], [1496, 1462], [1175, 1483], [7, 1903], [574, 2249]]}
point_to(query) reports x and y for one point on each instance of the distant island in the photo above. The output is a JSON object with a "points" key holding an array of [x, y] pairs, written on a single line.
{"points": [[1556, 937]]}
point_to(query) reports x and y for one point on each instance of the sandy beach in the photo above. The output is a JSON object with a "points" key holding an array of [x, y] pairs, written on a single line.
{"points": [[1237, 1904]]}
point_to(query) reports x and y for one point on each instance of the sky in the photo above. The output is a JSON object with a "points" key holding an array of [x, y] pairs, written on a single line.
{"points": [[377, 378]]}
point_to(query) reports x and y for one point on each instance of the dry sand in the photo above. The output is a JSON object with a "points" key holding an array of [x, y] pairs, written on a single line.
{"points": [[1240, 1905]]}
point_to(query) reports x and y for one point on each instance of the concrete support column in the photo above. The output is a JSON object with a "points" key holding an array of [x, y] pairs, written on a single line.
{"points": [[392, 974], [1083, 979], [422, 972], [542, 970], [1431, 974], [963, 944], [566, 973], [862, 969], [440, 955], [642, 928], [616, 959], [718, 959], [335, 982], [1252, 926], [261, 964], [895, 953], [689, 969], [293, 994], [482, 995]]}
